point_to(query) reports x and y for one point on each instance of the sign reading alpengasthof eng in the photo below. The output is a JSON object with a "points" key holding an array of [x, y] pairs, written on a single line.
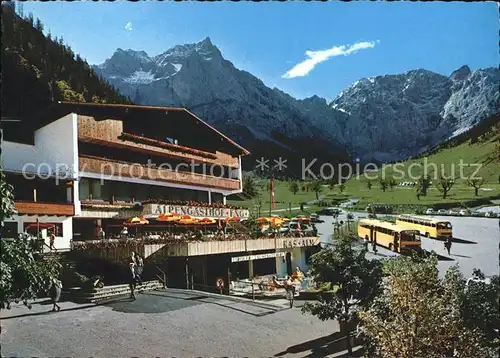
{"points": [[257, 257], [195, 211]]}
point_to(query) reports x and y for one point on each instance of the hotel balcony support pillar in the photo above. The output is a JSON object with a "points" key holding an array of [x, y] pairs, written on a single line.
{"points": [[224, 199], [209, 197]]}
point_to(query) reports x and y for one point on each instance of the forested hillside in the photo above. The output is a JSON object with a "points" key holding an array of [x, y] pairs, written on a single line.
{"points": [[39, 69]]}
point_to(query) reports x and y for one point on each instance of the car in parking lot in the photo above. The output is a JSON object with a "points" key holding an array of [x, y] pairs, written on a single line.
{"points": [[491, 214], [463, 212], [429, 211], [452, 212], [441, 212]]}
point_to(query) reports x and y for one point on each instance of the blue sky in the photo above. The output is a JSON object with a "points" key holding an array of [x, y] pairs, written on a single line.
{"points": [[269, 39]]}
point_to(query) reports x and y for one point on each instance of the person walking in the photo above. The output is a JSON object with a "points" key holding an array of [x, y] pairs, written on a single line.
{"points": [[52, 239], [133, 257], [365, 242], [132, 279], [289, 290], [139, 269], [447, 245], [374, 245], [55, 294]]}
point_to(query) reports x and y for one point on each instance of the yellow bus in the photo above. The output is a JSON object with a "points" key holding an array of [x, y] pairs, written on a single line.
{"points": [[394, 237], [435, 228]]}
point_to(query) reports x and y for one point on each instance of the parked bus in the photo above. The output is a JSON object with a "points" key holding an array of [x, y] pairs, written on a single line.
{"points": [[435, 228], [394, 237]]}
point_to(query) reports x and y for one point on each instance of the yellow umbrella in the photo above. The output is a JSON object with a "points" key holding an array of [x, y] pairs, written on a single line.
{"points": [[187, 220], [169, 217], [136, 221], [206, 221], [277, 221]]}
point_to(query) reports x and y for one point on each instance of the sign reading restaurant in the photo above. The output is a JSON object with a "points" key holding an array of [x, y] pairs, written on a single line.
{"points": [[195, 211]]}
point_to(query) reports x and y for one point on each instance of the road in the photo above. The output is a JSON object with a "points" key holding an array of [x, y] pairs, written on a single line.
{"points": [[167, 323], [321, 196], [477, 247]]}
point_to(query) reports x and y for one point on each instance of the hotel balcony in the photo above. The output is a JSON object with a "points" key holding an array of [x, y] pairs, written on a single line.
{"points": [[111, 134], [120, 169], [43, 208]]}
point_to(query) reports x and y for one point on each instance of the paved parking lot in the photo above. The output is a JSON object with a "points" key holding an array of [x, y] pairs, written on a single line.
{"points": [[477, 244], [167, 323]]}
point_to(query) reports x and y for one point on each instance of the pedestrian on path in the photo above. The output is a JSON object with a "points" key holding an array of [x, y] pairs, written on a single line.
{"points": [[365, 242], [447, 245], [374, 245], [55, 294], [139, 269], [132, 279]]}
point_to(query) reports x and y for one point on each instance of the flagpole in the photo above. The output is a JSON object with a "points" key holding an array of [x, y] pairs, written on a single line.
{"points": [[270, 194]]}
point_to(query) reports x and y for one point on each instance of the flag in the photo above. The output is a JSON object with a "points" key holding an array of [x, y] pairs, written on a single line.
{"points": [[272, 191]]}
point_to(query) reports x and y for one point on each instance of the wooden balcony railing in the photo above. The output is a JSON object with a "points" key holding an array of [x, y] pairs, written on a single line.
{"points": [[110, 133], [157, 143], [107, 167], [42, 208]]}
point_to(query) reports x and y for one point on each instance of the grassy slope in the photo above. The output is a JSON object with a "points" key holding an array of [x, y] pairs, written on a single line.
{"points": [[447, 161], [283, 197]]}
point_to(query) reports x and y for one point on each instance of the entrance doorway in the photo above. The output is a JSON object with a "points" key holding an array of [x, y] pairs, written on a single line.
{"points": [[289, 269]]}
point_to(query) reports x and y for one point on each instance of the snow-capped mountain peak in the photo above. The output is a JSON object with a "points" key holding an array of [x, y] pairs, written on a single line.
{"points": [[385, 117]]}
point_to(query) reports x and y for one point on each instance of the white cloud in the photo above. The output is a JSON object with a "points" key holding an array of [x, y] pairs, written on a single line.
{"points": [[315, 57], [128, 26]]}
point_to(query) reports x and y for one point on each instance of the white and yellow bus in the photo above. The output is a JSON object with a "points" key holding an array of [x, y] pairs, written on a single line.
{"points": [[394, 237], [435, 228]]}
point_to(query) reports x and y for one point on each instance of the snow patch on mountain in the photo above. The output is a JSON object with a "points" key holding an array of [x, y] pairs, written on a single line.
{"points": [[140, 77], [385, 117], [335, 106]]}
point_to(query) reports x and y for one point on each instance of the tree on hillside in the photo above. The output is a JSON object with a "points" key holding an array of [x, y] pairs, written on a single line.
{"points": [[476, 183], [420, 315], [369, 185], [37, 69], [383, 184], [423, 185], [444, 186], [392, 183], [355, 279], [342, 187], [331, 185], [249, 186], [294, 187], [23, 274], [317, 187]]}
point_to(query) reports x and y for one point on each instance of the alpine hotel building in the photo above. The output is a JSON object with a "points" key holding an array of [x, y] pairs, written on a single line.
{"points": [[80, 167]]}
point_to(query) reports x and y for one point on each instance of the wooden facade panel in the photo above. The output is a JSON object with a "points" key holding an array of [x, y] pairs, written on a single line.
{"points": [[108, 129], [107, 132], [39, 208], [107, 167]]}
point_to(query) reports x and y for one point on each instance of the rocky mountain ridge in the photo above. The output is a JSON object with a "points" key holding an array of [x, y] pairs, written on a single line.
{"points": [[384, 118]]}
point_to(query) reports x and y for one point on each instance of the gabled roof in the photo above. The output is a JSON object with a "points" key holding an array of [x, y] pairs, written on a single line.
{"points": [[121, 111]]}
